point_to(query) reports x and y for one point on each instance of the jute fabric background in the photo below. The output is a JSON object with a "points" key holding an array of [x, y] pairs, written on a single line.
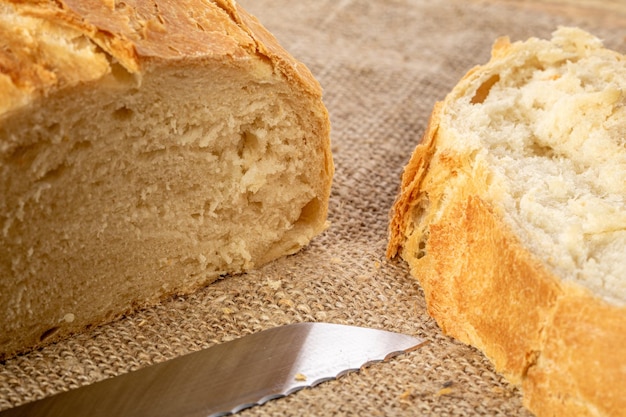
{"points": [[382, 64]]}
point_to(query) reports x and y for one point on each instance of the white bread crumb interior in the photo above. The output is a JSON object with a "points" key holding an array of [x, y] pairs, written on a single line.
{"points": [[561, 170]]}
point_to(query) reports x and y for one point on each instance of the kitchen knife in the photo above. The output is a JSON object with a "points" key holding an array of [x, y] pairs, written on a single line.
{"points": [[231, 376]]}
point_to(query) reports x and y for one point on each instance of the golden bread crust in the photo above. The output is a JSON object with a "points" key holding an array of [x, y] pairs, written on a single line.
{"points": [[133, 34], [562, 343]]}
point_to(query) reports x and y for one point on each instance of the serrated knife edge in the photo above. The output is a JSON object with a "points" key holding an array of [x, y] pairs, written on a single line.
{"points": [[231, 376]]}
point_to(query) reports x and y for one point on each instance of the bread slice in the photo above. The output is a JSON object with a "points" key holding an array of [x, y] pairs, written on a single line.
{"points": [[146, 149], [512, 216]]}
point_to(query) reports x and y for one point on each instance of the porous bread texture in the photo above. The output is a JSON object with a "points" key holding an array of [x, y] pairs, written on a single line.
{"points": [[512, 215], [146, 149]]}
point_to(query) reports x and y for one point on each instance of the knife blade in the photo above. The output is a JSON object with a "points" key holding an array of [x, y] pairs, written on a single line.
{"points": [[229, 377]]}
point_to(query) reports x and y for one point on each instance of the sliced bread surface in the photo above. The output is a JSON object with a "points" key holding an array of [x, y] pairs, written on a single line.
{"points": [[146, 149], [512, 216]]}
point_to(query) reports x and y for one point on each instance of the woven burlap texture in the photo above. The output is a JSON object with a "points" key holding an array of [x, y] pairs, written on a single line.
{"points": [[382, 64]]}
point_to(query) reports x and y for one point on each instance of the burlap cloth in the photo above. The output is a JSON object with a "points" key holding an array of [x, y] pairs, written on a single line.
{"points": [[382, 64]]}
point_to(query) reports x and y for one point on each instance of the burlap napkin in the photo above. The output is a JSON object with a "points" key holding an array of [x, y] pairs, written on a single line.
{"points": [[383, 64]]}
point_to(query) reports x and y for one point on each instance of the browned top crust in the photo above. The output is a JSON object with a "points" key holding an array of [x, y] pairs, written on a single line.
{"points": [[47, 45]]}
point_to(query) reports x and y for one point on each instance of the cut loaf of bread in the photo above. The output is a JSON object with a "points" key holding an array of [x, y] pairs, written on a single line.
{"points": [[512, 216], [146, 149]]}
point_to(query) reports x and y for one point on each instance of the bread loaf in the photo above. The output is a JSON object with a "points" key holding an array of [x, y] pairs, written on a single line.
{"points": [[146, 149], [512, 216]]}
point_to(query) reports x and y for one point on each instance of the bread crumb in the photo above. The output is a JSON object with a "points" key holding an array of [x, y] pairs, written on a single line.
{"points": [[300, 377], [444, 391], [446, 388], [406, 396], [274, 284], [285, 302]]}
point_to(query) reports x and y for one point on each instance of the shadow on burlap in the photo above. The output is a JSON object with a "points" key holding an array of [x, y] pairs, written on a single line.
{"points": [[382, 64]]}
